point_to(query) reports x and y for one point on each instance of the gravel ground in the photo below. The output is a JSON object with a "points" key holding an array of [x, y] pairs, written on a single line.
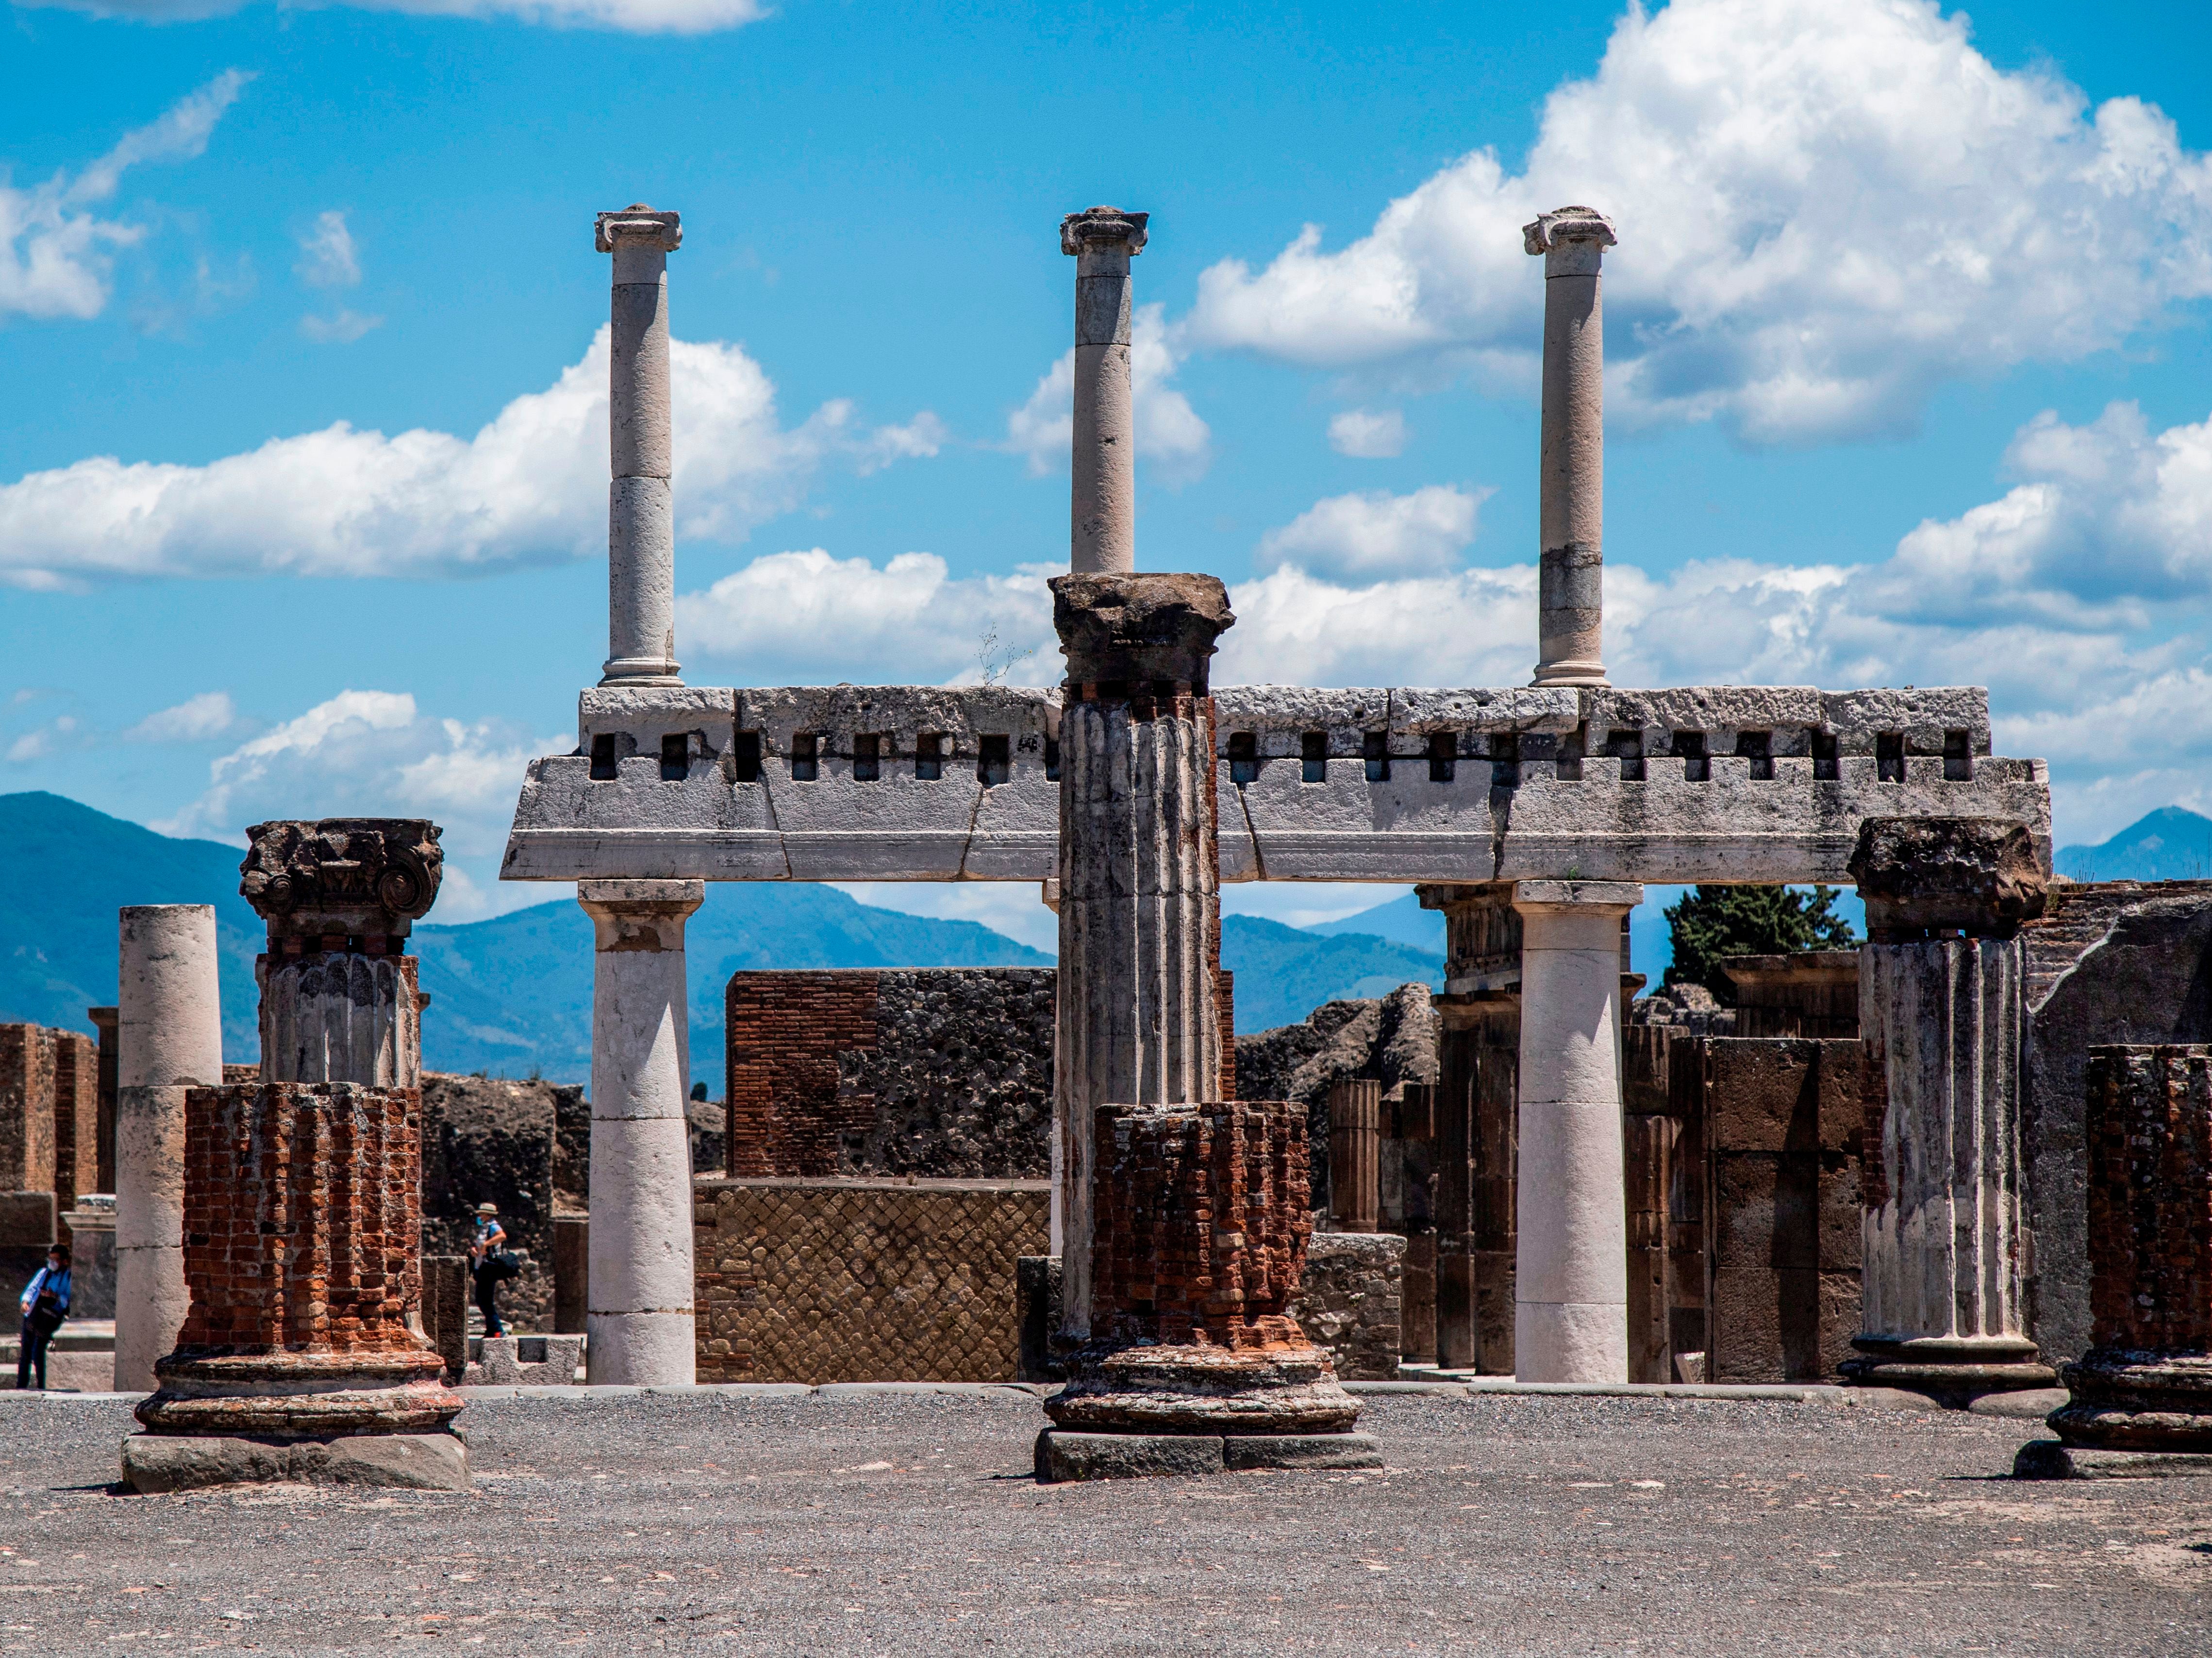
{"points": [[905, 1526]]}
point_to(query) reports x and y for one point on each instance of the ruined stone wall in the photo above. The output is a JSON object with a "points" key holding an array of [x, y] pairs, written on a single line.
{"points": [[942, 1073], [492, 1140], [862, 1280], [26, 1108], [2150, 1112], [1350, 1300], [2109, 962], [76, 1118]]}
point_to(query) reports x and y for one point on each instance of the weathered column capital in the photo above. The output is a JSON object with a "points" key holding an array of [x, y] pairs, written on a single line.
{"points": [[341, 877], [1099, 228], [1924, 877], [1615, 898], [1127, 629], [1572, 240], [640, 915], [637, 226]]}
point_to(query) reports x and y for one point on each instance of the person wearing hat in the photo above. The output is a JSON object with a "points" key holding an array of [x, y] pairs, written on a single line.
{"points": [[46, 1304], [490, 1262]]}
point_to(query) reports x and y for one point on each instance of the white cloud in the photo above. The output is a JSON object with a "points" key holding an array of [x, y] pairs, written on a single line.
{"points": [[64, 731], [529, 488], [799, 617], [196, 719], [1825, 207], [1176, 444], [55, 253], [631, 16], [341, 328], [1367, 435], [328, 257], [1378, 533]]}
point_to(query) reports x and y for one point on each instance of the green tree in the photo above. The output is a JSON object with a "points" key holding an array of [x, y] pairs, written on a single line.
{"points": [[1711, 921]]}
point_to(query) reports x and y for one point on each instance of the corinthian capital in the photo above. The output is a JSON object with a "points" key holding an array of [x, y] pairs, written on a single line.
{"points": [[1101, 226]]}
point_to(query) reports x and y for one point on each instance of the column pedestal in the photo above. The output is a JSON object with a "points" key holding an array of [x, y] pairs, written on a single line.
{"points": [[638, 1321]]}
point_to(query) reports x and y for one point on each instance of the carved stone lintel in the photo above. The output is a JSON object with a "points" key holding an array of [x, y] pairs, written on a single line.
{"points": [[1097, 226], [1921, 876], [638, 225], [342, 876], [1128, 629], [1567, 224]]}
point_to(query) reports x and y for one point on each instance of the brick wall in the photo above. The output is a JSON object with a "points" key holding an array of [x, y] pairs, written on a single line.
{"points": [[26, 1108], [862, 1280], [2149, 1120], [76, 1118], [302, 1217]]}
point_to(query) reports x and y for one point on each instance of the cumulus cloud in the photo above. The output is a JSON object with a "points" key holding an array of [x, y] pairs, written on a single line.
{"points": [[631, 16], [196, 719], [1378, 533], [1825, 207], [56, 252], [529, 488], [1368, 435], [1178, 445]]}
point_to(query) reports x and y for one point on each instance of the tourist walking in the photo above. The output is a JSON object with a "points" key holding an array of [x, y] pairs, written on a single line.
{"points": [[46, 1304], [491, 1262]]}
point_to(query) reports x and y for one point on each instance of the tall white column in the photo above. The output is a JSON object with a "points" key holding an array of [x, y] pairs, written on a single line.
{"points": [[1571, 632], [1139, 878], [641, 508], [1102, 505], [1570, 1268], [638, 1311], [169, 1038]]}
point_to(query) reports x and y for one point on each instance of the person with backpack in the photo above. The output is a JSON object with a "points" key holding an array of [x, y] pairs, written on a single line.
{"points": [[46, 1304], [492, 1263]]}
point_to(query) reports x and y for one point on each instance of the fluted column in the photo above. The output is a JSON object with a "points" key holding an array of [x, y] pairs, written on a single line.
{"points": [[1570, 1268], [641, 507], [1103, 487], [639, 1315], [1941, 1009], [168, 1038], [1571, 632], [1139, 877]]}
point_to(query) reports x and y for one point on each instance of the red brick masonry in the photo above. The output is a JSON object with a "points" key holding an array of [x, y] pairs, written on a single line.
{"points": [[786, 1031], [2150, 1198]]}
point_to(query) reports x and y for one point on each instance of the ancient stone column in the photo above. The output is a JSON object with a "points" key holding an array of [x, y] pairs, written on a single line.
{"points": [[168, 1038], [1139, 877], [641, 508], [1102, 505], [638, 1316], [103, 1021], [1571, 606], [2141, 1399], [1941, 980], [1570, 1271], [302, 1194], [338, 996], [1355, 1126]]}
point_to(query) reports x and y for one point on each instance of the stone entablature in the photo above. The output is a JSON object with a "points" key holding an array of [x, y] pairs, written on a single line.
{"points": [[1716, 783]]}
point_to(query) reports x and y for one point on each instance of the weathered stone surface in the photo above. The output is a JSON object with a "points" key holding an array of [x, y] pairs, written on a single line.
{"points": [[1279, 1388], [348, 877], [1129, 630], [26, 1108], [2051, 1459], [154, 1463], [494, 1140], [1350, 1302], [1349, 1450], [1928, 876], [1065, 1455], [1809, 993]]}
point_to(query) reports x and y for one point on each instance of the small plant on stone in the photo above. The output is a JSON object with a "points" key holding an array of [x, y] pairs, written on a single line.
{"points": [[997, 659]]}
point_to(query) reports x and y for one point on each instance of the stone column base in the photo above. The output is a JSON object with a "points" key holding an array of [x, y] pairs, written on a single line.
{"points": [[2052, 1459], [300, 1395], [1275, 1389], [2137, 1402], [176, 1462], [1061, 1455], [1953, 1370]]}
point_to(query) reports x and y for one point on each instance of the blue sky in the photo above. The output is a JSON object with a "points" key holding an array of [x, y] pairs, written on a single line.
{"points": [[301, 494]]}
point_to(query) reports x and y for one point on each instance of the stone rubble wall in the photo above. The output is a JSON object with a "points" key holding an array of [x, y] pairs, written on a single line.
{"points": [[494, 1140], [862, 1280], [1350, 1300]]}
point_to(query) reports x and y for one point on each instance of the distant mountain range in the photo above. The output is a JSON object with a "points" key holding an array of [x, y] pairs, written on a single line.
{"points": [[2171, 843], [513, 996]]}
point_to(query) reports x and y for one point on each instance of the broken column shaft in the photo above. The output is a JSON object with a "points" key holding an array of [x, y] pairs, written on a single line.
{"points": [[1103, 488], [1941, 988], [1571, 632], [640, 504], [639, 1317], [168, 1038], [1140, 893]]}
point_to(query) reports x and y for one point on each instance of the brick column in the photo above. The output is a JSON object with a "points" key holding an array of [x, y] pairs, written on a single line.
{"points": [[1570, 602], [641, 503], [168, 1038], [1945, 1260], [2142, 1397], [1137, 1018], [1103, 493], [638, 1321]]}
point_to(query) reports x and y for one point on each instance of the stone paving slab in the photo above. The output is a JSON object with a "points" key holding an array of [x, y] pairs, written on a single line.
{"points": [[911, 1525]]}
